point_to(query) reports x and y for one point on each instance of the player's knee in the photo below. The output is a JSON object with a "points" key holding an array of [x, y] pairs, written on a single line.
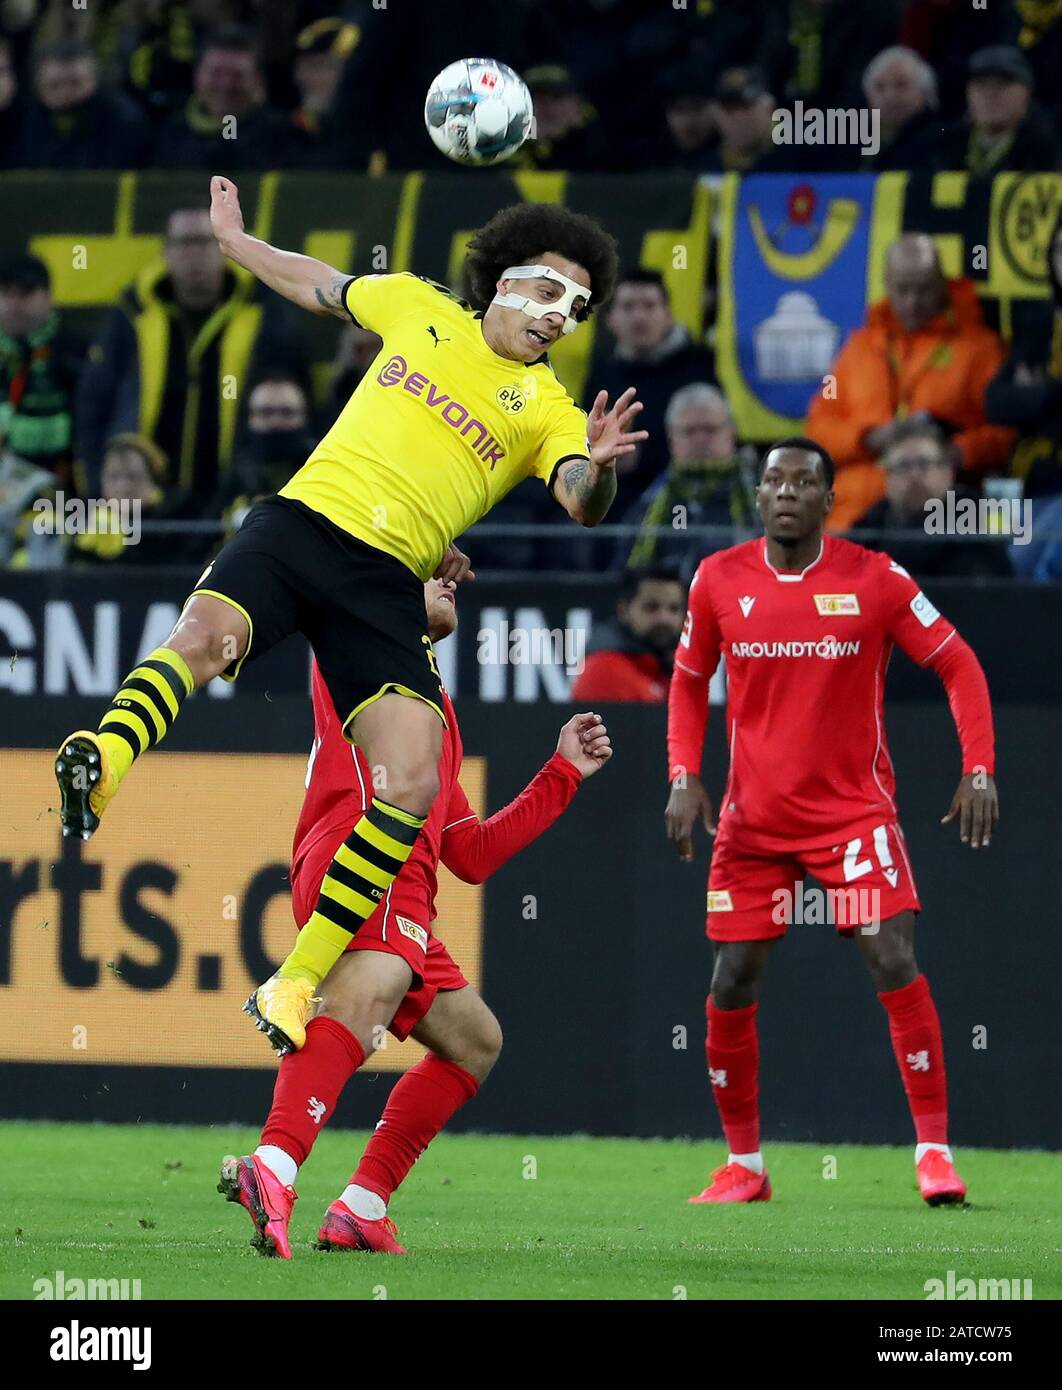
{"points": [[891, 958], [413, 785], [208, 647], [488, 1044], [893, 965], [480, 1048], [735, 979]]}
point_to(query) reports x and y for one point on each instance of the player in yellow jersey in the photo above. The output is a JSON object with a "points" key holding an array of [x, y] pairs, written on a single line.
{"points": [[462, 406]]}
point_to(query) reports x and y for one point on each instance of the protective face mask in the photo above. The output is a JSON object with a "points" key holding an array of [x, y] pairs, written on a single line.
{"points": [[572, 304]]}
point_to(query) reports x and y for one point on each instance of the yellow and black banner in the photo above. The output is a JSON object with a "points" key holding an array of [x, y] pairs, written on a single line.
{"points": [[97, 232], [802, 257]]}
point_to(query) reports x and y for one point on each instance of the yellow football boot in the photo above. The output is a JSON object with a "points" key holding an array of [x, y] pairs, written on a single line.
{"points": [[280, 1008], [86, 782]]}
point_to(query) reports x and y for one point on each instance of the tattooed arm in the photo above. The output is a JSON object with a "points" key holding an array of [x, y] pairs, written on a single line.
{"points": [[309, 283], [585, 487], [584, 490]]}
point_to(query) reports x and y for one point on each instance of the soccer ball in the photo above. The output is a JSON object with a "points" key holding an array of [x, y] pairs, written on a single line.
{"points": [[478, 111]]}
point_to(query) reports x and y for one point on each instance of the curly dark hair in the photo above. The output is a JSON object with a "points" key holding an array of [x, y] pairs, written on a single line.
{"points": [[521, 234]]}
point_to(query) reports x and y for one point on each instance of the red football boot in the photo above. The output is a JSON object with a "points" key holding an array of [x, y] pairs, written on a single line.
{"points": [[733, 1182], [265, 1199], [342, 1230], [938, 1181]]}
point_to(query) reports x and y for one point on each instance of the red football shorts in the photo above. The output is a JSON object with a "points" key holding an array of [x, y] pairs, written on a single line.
{"points": [[400, 926], [754, 896]]}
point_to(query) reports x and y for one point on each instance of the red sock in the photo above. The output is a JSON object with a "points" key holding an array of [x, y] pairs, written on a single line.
{"points": [[309, 1083], [915, 1031], [422, 1102], [733, 1052]]}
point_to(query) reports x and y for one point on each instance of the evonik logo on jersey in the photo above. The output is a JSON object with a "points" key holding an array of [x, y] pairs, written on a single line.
{"points": [[457, 416], [828, 648]]}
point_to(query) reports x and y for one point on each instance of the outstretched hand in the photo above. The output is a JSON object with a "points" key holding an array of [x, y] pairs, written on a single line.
{"points": [[226, 218], [607, 431]]}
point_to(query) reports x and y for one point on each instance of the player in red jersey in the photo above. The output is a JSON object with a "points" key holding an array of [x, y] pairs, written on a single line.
{"points": [[807, 624], [396, 975]]}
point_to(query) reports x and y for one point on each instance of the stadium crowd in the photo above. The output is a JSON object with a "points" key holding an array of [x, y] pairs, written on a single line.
{"points": [[930, 401], [618, 84]]}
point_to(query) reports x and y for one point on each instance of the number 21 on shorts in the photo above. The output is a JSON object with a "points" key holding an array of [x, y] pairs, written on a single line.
{"points": [[854, 867]]}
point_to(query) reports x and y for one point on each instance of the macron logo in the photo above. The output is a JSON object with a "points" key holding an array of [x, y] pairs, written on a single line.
{"points": [[316, 1109], [746, 605]]}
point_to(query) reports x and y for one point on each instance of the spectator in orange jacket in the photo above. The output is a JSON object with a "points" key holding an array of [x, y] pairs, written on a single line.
{"points": [[925, 354], [630, 660]]}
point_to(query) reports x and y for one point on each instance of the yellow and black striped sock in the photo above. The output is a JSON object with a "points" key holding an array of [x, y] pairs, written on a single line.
{"points": [[360, 874], [144, 708]]}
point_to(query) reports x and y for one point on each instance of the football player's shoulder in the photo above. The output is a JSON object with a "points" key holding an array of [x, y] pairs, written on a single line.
{"points": [[438, 296], [884, 565], [555, 408], [549, 387], [401, 292], [851, 558], [883, 579], [719, 568], [726, 564]]}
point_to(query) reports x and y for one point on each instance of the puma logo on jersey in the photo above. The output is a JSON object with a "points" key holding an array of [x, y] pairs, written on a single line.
{"points": [[717, 1076], [435, 337], [316, 1109], [918, 1061], [746, 605]]}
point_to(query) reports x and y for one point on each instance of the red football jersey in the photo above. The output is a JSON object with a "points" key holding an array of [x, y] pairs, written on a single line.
{"points": [[806, 655], [339, 787]]}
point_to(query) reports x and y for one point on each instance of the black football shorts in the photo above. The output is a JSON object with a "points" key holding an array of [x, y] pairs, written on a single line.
{"points": [[289, 569]]}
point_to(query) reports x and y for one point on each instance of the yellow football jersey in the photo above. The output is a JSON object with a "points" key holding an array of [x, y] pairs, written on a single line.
{"points": [[439, 429]]}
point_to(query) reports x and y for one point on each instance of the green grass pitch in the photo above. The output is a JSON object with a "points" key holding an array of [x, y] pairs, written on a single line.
{"points": [[509, 1217]]}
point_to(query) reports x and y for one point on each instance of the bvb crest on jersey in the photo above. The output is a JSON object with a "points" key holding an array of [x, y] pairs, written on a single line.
{"points": [[512, 398]]}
